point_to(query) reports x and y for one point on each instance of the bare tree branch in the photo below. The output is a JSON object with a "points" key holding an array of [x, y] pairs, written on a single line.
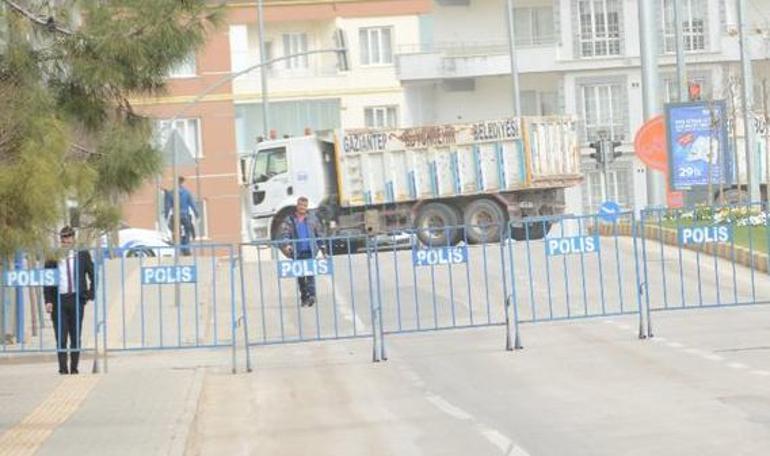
{"points": [[44, 21]]}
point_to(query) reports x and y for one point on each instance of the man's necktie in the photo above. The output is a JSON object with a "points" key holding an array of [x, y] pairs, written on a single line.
{"points": [[69, 275]]}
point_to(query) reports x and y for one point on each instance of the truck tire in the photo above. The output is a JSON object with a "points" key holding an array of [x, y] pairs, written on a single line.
{"points": [[484, 221], [275, 228], [537, 230], [438, 224]]}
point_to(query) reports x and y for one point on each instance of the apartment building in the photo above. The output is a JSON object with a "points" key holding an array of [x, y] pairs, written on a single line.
{"points": [[310, 91], [313, 91], [576, 57]]}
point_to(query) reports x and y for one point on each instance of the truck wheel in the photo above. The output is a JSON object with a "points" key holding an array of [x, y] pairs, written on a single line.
{"points": [[437, 224], [537, 230], [484, 220], [275, 228]]}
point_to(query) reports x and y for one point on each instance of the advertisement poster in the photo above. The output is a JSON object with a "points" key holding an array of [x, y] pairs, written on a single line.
{"points": [[698, 146]]}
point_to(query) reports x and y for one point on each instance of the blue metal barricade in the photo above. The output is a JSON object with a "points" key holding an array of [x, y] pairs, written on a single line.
{"points": [[161, 299], [45, 307], [427, 282], [705, 257], [574, 267], [278, 277]]}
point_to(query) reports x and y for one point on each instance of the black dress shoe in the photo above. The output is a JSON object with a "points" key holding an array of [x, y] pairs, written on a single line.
{"points": [[63, 372], [310, 302], [74, 372]]}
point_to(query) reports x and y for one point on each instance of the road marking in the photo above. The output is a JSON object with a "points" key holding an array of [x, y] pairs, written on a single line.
{"points": [[675, 345], [26, 437], [345, 309], [658, 340], [713, 357], [761, 372], [502, 442], [451, 410], [737, 365]]}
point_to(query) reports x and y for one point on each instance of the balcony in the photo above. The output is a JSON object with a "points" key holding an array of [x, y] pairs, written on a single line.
{"points": [[468, 60]]}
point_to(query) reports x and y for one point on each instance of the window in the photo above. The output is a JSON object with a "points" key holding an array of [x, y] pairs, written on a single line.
{"points": [[619, 188], [599, 27], [693, 25], [376, 45], [294, 43], [535, 103], [269, 163], [380, 117], [534, 26], [185, 69], [603, 111], [189, 131]]}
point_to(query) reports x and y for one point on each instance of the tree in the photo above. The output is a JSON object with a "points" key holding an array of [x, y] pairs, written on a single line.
{"points": [[68, 131]]}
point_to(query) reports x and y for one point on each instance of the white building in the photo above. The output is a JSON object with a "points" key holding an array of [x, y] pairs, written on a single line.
{"points": [[574, 57], [312, 91]]}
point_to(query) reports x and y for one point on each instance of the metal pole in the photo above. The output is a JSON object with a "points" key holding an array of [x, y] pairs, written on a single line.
{"points": [[263, 68], [175, 183], [681, 70], [747, 99], [199, 199], [512, 52], [656, 181], [767, 139]]}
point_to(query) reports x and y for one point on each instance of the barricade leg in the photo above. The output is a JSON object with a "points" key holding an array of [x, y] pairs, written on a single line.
{"points": [[245, 321]]}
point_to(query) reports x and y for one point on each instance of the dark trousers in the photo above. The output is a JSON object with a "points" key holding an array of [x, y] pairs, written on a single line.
{"points": [[68, 324], [306, 284]]}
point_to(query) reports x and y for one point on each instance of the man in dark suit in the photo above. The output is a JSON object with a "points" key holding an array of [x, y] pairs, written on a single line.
{"points": [[66, 302]]}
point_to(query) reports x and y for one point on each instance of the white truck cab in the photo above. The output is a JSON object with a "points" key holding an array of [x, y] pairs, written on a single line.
{"points": [[279, 172]]}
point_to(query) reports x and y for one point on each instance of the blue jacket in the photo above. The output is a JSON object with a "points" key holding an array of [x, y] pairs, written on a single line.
{"points": [[289, 233], [186, 203]]}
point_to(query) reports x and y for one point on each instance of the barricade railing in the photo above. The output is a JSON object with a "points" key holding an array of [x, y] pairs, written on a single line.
{"points": [[46, 298], [279, 277], [176, 298], [540, 269], [440, 278], [705, 257], [570, 267]]}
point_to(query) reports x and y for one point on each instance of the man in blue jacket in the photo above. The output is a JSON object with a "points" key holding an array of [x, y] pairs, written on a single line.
{"points": [[301, 233], [187, 208]]}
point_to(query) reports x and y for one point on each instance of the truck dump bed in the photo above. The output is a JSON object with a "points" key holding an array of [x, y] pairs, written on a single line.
{"points": [[402, 165]]}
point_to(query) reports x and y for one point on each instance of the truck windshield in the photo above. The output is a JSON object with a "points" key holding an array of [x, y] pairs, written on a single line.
{"points": [[269, 163]]}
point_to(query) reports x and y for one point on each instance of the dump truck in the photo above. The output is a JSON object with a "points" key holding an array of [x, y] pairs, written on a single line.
{"points": [[446, 183]]}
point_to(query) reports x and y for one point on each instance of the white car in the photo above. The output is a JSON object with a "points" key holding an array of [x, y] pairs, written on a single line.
{"points": [[139, 242]]}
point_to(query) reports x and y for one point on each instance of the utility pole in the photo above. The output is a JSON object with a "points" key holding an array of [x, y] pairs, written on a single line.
{"points": [[263, 68], [512, 52], [656, 181], [747, 101], [681, 70], [767, 140]]}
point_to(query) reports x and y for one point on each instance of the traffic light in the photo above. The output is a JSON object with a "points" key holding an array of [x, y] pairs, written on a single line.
{"points": [[694, 91], [597, 153], [605, 150]]}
